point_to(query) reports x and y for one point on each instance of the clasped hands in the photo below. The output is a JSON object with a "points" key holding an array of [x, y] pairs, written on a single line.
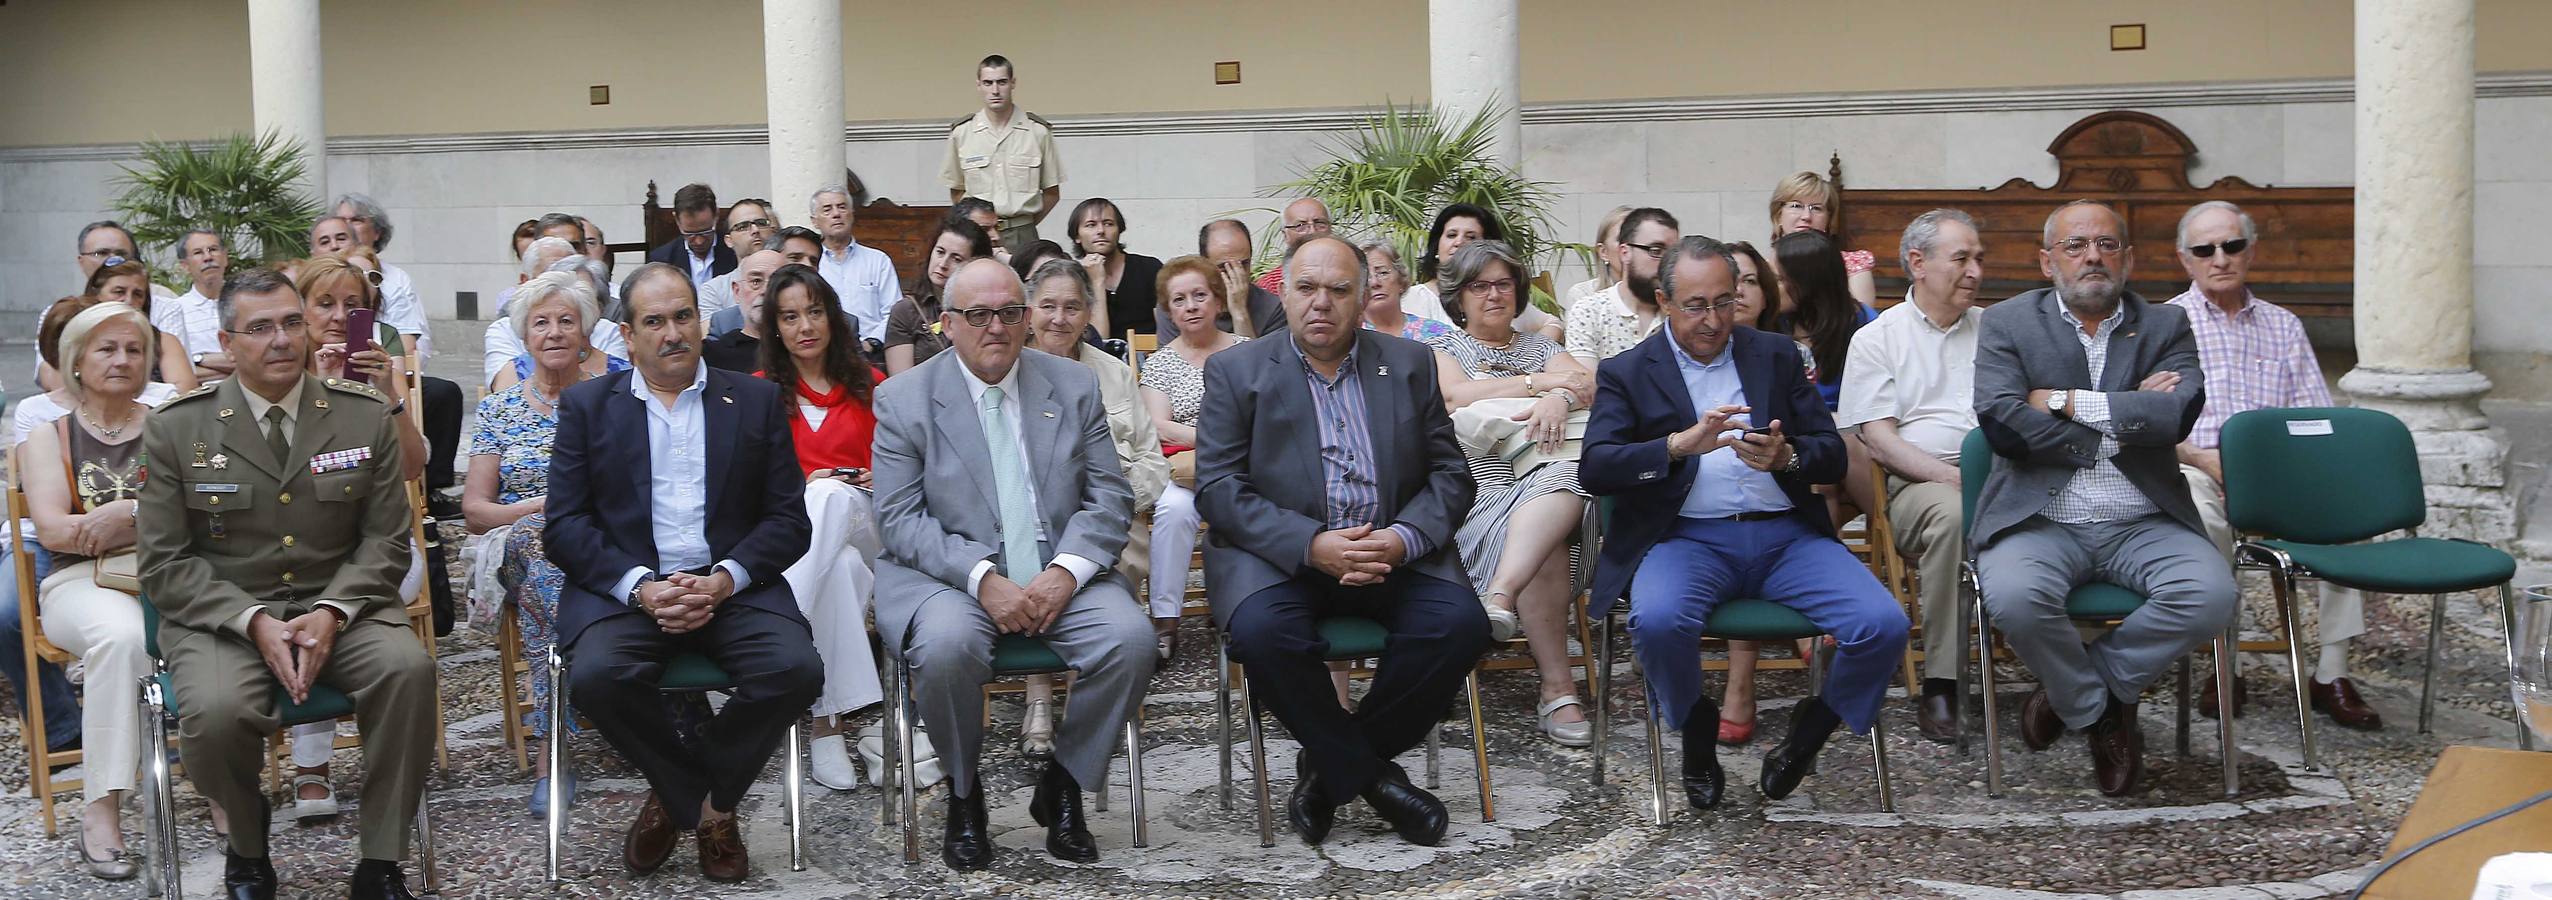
{"points": [[1358, 556], [2164, 381], [682, 602], [296, 651], [1029, 609]]}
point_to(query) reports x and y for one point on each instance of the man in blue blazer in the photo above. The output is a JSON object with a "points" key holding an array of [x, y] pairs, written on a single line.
{"points": [[1708, 508], [675, 503]]}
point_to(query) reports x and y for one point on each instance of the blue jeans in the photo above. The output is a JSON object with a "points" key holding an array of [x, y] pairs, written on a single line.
{"points": [[61, 707], [1786, 561]]}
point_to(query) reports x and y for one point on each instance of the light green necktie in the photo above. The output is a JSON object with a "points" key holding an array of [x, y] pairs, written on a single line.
{"points": [[1010, 487]]}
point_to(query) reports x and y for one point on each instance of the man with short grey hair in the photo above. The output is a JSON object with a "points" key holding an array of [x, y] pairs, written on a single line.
{"points": [[862, 276], [2084, 391], [401, 308], [2256, 356], [1909, 390]]}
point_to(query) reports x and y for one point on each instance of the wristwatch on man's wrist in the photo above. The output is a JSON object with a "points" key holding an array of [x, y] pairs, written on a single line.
{"points": [[635, 590], [2058, 400]]}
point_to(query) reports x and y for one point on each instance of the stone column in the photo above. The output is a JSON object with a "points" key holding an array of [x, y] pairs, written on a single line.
{"points": [[285, 90], [1472, 63], [802, 77], [2414, 258]]}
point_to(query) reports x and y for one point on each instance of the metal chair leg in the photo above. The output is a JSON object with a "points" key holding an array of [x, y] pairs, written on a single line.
{"points": [[2428, 679], [1993, 705], [1435, 756], [2180, 692], [904, 757], [2224, 665], [558, 763], [793, 779], [2281, 579], [1599, 680], [1656, 763], [1134, 780], [1258, 765], [1223, 716], [2508, 634], [1878, 757], [1959, 645], [889, 761], [1480, 749], [159, 869]]}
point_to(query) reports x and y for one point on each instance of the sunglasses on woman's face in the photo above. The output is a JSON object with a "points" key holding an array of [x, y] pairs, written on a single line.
{"points": [[2232, 247]]}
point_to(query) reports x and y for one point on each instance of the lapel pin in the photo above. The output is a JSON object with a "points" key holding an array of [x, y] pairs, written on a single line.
{"points": [[726, 399], [1049, 415], [321, 403], [1382, 371], [199, 455], [226, 413], [221, 461]]}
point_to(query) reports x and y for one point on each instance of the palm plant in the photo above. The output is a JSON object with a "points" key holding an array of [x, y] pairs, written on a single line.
{"points": [[248, 189], [1388, 176]]}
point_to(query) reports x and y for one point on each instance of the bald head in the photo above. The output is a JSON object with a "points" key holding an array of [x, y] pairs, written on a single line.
{"points": [[751, 273], [1305, 219], [984, 313], [1324, 295]]}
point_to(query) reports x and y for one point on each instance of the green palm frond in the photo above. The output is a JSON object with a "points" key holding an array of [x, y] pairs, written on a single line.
{"points": [[1388, 176], [246, 188]]}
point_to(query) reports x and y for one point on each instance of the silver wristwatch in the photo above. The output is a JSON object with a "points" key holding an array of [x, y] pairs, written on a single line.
{"points": [[2056, 402]]}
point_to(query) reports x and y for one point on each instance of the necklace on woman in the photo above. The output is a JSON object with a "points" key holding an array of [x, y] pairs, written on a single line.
{"points": [[103, 431], [550, 398]]}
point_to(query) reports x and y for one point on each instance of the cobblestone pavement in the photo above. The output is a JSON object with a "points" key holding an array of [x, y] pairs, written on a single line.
{"points": [[2290, 832]]}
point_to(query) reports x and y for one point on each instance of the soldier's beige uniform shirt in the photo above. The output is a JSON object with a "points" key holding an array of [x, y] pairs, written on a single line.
{"points": [[1009, 167]]}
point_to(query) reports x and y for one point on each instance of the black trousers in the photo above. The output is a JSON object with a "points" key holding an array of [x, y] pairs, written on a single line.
{"points": [[442, 439], [613, 669], [1437, 632]]}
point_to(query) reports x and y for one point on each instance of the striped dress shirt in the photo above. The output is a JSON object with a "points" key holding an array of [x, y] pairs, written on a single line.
{"points": [[2100, 493], [1347, 462]]}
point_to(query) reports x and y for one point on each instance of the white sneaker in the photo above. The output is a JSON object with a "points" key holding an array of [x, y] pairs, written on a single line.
{"points": [[830, 762], [926, 769]]}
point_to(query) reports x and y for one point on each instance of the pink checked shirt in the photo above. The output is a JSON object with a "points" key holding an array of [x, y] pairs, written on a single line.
{"points": [[2253, 359]]}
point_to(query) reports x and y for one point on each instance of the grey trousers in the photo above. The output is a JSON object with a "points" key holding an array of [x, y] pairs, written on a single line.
{"points": [[2026, 573], [1104, 636]]}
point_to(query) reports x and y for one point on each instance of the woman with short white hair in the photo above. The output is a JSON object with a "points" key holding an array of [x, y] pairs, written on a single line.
{"points": [[508, 482], [83, 478]]}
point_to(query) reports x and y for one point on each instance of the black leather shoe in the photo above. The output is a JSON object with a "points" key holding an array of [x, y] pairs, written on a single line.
{"points": [[379, 879], [2039, 724], [247, 879], [2117, 750], [1796, 756], [968, 846], [1417, 815], [1936, 714], [1307, 809], [1057, 805]]}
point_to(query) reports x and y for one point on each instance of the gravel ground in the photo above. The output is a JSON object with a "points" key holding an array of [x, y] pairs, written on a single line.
{"points": [[1555, 834]]}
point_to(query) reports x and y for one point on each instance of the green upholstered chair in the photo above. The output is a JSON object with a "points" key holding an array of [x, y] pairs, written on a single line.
{"points": [[161, 874], [1349, 638], [686, 673], [1013, 655], [2318, 486], [2092, 602]]}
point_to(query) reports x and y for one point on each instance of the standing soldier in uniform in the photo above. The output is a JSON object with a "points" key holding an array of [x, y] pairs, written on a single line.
{"points": [[273, 539], [1005, 156]]}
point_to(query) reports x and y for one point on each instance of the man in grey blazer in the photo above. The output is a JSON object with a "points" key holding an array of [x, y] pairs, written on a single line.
{"points": [[1327, 466], [1003, 508], [2085, 390]]}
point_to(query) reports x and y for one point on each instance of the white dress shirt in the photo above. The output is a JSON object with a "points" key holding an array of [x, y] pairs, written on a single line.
{"points": [[402, 309], [195, 319], [1082, 569], [1904, 367], [678, 483], [703, 268], [864, 278]]}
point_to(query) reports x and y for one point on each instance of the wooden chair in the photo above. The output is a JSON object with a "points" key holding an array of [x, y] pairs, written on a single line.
{"points": [[41, 761], [1877, 547]]}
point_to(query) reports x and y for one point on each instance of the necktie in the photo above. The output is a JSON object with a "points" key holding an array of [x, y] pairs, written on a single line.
{"points": [[275, 439], [1010, 486]]}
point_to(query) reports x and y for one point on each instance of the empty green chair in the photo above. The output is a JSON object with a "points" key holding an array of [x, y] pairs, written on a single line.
{"points": [[2318, 485]]}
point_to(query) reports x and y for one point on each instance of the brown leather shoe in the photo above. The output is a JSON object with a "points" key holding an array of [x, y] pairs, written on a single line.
{"points": [[1936, 716], [2206, 696], [2339, 699], [722, 856], [2039, 724], [650, 838], [2117, 750]]}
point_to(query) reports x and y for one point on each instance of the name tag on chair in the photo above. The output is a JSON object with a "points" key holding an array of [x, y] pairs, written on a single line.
{"points": [[2308, 427]]}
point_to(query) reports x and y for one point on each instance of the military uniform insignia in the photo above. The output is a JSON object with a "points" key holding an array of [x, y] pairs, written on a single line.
{"points": [[221, 461], [199, 455], [339, 460]]}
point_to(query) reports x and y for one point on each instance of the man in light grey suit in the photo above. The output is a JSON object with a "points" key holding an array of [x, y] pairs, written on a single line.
{"points": [[2085, 390], [1003, 508]]}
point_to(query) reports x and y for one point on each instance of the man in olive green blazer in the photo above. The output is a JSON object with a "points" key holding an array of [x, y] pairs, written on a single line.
{"points": [[274, 533]]}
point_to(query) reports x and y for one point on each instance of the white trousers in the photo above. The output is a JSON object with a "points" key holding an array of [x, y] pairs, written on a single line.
{"points": [[1174, 523], [103, 627], [833, 583], [2343, 609]]}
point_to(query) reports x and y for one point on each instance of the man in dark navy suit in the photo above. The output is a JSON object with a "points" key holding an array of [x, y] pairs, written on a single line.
{"points": [[697, 251], [1709, 508], [674, 506]]}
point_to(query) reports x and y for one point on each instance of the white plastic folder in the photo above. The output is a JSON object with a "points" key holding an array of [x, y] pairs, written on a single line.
{"points": [[2515, 876]]}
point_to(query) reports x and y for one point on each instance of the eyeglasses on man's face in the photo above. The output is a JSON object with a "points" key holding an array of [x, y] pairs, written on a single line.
{"points": [[1703, 309], [268, 330], [747, 225], [983, 316], [2232, 247], [1308, 225], [1654, 251], [2074, 248]]}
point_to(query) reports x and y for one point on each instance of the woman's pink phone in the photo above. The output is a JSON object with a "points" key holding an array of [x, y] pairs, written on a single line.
{"points": [[358, 339]]}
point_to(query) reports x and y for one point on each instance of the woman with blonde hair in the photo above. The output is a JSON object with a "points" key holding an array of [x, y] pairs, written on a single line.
{"points": [[1608, 259], [1808, 201], [83, 479]]}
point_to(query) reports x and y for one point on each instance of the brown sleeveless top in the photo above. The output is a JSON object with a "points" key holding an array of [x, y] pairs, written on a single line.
{"points": [[99, 473]]}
